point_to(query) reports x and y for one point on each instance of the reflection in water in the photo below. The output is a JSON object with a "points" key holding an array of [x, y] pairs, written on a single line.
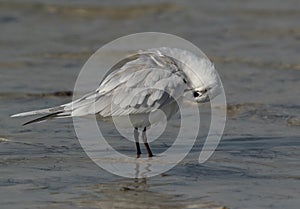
{"points": [[138, 193], [146, 169], [131, 167], [127, 193]]}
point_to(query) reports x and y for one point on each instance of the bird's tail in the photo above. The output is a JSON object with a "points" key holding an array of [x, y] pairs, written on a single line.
{"points": [[50, 113], [79, 107]]}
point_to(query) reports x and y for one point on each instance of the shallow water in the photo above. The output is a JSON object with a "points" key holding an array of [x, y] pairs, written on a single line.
{"points": [[255, 47]]}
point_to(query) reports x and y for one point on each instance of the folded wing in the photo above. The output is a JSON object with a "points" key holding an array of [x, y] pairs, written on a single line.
{"points": [[142, 83]]}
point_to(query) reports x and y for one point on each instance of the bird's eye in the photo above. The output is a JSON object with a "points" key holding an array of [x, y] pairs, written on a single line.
{"points": [[196, 94], [199, 93]]}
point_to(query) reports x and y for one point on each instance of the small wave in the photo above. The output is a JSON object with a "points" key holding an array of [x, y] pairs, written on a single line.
{"points": [[288, 115], [257, 63], [17, 95], [83, 11]]}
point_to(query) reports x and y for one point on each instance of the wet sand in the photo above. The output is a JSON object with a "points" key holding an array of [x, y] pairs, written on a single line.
{"points": [[255, 47]]}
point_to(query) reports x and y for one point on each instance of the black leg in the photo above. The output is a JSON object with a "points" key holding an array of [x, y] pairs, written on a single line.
{"points": [[144, 137], [137, 144]]}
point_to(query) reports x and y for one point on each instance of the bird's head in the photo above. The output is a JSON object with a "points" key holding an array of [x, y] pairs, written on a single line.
{"points": [[205, 94], [205, 88], [202, 77]]}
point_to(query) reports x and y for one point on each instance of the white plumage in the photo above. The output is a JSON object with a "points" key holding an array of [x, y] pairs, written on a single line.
{"points": [[148, 81]]}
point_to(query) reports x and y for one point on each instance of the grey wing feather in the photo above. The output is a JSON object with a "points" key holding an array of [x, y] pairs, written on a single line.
{"points": [[140, 85], [144, 85]]}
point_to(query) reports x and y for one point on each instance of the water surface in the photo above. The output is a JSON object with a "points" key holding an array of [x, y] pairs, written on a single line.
{"points": [[255, 47]]}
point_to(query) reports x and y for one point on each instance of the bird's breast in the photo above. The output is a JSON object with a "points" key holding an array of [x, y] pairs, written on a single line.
{"points": [[142, 120]]}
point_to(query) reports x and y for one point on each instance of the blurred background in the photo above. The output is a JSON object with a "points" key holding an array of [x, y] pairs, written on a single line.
{"points": [[255, 46]]}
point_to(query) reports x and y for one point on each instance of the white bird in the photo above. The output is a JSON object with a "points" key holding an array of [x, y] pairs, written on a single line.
{"points": [[151, 80]]}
